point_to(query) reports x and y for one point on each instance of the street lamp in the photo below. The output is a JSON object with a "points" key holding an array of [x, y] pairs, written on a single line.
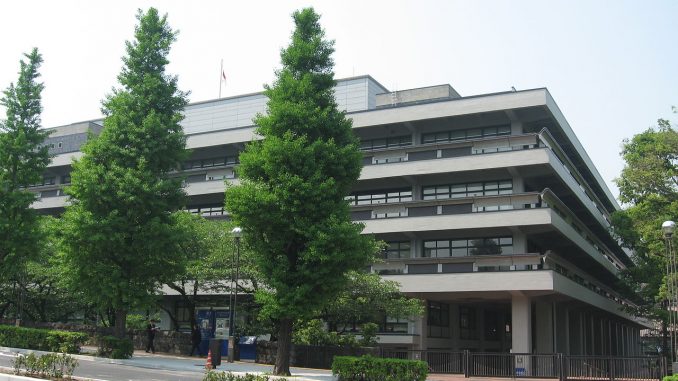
{"points": [[236, 233], [668, 228]]}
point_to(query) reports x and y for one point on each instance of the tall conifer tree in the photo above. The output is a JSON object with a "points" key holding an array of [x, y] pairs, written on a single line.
{"points": [[291, 200], [119, 236], [23, 159]]}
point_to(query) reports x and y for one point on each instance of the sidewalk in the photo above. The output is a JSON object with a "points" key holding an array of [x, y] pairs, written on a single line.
{"points": [[171, 362]]}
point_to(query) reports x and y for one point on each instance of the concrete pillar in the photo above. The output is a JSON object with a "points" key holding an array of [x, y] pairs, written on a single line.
{"points": [[421, 329], [516, 128], [544, 327], [575, 338], [521, 323], [519, 242], [521, 337], [518, 182], [562, 329]]}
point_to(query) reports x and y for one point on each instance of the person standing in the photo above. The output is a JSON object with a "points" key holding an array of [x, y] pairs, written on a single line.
{"points": [[151, 329], [196, 338]]}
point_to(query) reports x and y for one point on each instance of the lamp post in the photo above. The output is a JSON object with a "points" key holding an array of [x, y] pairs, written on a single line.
{"points": [[236, 233], [668, 228]]}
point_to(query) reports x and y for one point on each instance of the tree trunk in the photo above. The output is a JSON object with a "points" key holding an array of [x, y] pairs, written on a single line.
{"points": [[282, 358], [120, 323], [666, 349]]}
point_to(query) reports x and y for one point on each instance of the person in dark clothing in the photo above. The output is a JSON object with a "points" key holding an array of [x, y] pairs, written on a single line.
{"points": [[196, 338], [151, 329]]}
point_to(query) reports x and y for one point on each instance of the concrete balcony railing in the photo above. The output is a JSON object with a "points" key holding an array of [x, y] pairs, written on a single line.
{"points": [[476, 263], [576, 229], [489, 145]]}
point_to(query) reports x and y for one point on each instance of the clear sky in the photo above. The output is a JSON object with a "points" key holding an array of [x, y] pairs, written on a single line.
{"points": [[610, 65]]}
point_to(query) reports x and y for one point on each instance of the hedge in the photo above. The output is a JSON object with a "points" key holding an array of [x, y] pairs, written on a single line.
{"points": [[115, 348], [41, 339], [368, 368]]}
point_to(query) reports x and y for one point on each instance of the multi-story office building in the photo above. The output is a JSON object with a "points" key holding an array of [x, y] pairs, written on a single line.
{"points": [[492, 211]]}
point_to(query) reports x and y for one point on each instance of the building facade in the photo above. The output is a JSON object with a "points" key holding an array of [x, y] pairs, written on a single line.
{"points": [[492, 212]]}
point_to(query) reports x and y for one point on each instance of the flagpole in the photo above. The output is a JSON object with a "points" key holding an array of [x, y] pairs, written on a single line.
{"points": [[221, 74]]}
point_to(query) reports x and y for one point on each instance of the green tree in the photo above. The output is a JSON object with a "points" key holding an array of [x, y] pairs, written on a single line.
{"points": [[119, 233], [290, 203], [648, 187], [41, 293], [368, 298], [23, 159], [209, 254]]}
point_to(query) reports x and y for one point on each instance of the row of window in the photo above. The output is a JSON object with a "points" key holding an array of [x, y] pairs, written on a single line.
{"points": [[486, 188], [207, 210], [439, 323], [433, 192], [435, 137], [380, 197], [394, 141], [467, 247], [212, 162], [471, 133], [451, 247]]}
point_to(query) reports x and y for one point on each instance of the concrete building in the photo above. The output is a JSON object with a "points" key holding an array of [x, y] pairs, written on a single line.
{"points": [[492, 211]]}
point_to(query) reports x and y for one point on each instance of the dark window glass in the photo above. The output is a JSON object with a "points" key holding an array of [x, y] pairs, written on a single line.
{"points": [[380, 197], [438, 319], [467, 323]]}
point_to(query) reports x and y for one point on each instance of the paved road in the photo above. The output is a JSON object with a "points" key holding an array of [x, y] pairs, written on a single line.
{"points": [[143, 367]]}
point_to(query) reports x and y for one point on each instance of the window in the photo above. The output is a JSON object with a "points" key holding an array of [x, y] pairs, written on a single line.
{"points": [[207, 210], [438, 319], [467, 323], [462, 247], [380, 197], [491, 326], [47, 180], [462, 190], [396, 250], [471, 133], [66, 179], [394, 141], [212, 162], [395, 325]]}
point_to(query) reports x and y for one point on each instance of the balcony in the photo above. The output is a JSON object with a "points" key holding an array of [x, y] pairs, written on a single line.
{"points": [[446, 157]]}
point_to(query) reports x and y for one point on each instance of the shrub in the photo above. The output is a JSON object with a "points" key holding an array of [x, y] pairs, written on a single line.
{"points": [[671, 378], [378, 369], [115, 348], [41, 339], [369, 335], [228, 376], [51, 365]]}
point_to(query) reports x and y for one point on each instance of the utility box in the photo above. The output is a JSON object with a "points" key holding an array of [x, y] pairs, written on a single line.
{"points": [[247, 346]]}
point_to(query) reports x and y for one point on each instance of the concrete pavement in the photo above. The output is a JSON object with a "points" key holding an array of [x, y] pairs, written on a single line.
{"points": [[188, 364]]}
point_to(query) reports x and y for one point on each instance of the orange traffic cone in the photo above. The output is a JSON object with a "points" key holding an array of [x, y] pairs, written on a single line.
{"points": [[208, 364]]}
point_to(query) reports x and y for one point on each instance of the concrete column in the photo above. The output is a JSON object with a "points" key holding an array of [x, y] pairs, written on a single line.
{"points": [[575, 338], [421, 329], [518, 182], [519, 241], [544, 327], [521, 323], [562, 329], [516, 128]]}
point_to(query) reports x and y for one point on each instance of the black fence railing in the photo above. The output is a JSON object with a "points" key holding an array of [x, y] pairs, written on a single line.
{"points": [[521, 365]]}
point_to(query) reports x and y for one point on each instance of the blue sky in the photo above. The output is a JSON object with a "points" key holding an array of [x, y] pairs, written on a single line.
{"points": [[610, 65]]}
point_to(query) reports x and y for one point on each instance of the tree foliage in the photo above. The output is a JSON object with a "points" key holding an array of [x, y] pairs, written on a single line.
{"points": [[119, 234], [41, 293], [210, 262], [648, 187], [291, 199], [368, 298], [23, 159]]}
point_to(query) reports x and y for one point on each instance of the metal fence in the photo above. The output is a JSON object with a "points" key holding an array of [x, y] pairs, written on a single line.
{"points": [[523, 365]]}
